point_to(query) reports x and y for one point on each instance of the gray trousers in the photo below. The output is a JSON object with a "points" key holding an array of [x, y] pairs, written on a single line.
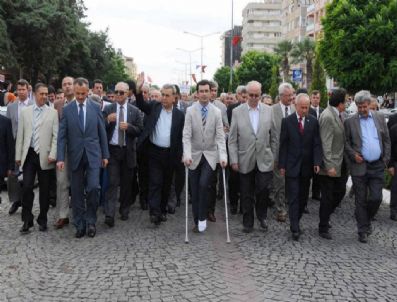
{"points": [[63, 191], [278, 194]]}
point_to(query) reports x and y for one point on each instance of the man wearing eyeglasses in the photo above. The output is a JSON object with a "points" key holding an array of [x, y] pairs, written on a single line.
{"points": [[163, 136], [251, 155], [123, 124]]}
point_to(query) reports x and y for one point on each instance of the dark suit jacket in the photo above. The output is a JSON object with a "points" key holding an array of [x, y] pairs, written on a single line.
{"points": [[135, 126], [7, 146], [152, 110], [392, 121], [299, 153], [314, 113], [93, 140], [229, 111]]}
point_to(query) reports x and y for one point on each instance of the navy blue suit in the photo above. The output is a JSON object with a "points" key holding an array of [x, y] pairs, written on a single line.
{"points": [[86, 149], [7, 147]]}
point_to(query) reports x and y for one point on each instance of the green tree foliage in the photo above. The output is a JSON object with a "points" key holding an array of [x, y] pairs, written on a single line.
{"points": [[359, 44], [283, 50], [275, 82], [222, 77], [319, 81], [256, 66], [303, 52]]}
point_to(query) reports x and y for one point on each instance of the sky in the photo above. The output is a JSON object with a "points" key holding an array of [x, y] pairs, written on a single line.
{"points": [[151, 31]]}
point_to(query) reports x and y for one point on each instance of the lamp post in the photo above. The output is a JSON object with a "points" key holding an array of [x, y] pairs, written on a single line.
{"points": [[201, 44], [190, 60]]}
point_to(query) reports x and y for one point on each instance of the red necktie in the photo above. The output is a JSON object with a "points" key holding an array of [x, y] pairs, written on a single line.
{"points": [[300, 126]]}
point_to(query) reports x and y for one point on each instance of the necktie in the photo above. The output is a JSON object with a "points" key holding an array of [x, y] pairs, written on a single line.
{"points": [[340, 117], [204, 111], [36, 129], [300, 125], [121, 132], [81, 116], [286, 111]]}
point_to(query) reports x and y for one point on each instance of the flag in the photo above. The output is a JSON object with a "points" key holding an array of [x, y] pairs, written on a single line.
{"points": [[194, 77], [198, 66], [236, 40], [203, 67], [149, 79]]}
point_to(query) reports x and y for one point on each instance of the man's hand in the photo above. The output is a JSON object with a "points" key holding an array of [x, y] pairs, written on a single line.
{"points": [[316, 169], [223, 164], [187, 162], [18, 162], [140, 81], [60, 165], [235, 167], [282, 172], [331, 172], [123, 126], [358, 158], [112, 118], [51, 160], [104, 163], [391, 171]]}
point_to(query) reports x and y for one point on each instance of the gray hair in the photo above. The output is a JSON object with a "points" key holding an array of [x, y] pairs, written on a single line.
{"points": [[241, 89], [95, 98], [124, 84], [300, 96], [253, 83], [284, 86], [362, 96], [169, 86]]}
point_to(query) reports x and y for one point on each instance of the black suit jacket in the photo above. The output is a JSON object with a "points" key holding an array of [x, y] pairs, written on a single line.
{"points": [[229, 111], [299, 153], [392, 121], [135, 127], [152, 109], [7, 146], [314, 113]]}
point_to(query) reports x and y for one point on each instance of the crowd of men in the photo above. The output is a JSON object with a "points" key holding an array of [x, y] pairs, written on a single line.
{"points": [[90, 149]]}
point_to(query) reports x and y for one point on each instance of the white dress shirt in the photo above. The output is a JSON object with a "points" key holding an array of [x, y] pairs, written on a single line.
{"points": [[21, 105], [161, 135], [283, 109], [303, 120], [254, 117], [317, 109], [115, 137]]}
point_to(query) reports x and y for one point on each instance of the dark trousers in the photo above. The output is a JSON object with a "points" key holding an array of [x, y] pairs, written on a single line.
{"points": [[84, 179], [367, 205], [316, 186], [143, 174], [200, 179], [53, 185], [160, 179], [255, 190], [104, 182], [234, 188], [393, 193], [297, 189], [212, 190], [31, 168], [119, 175], [178, 184], [333, 189]]}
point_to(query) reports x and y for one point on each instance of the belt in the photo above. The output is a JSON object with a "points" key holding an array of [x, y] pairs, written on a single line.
{"points": [[117, 146], [373, 161], [159, 148]]}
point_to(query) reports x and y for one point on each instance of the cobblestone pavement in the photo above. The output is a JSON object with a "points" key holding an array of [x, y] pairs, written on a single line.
{"points": [[136, 261]]}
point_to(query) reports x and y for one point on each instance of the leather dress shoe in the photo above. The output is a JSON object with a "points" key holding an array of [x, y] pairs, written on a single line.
{"points": [[144, 206], [163, 217], [263, 224], [26, 226], [393, 217], [211, 217], [195, 229], [109, 221], [53, 202], [247, 230], [281, 217], [61, 222], [295, 236], [80, 233], [155, 219], [306, 210], [91, 230], [171, 210], [325, 235], [14, 207], [43, 227], [370, 230], [363, 237], [178, 202], [124, 217]]}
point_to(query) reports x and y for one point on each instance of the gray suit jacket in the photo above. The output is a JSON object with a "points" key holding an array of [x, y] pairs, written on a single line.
{"points": [[247, 148], [353, 141], [198, 141], [222, 107], [277, 117], [332, 135], [48, 136], [12, 114]]}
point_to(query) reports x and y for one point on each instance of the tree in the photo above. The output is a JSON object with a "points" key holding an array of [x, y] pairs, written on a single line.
{"points": [[303, 52], [222, 77], [256, 66], [275, 82], [283, 50], [359, 44], [319, 81]]}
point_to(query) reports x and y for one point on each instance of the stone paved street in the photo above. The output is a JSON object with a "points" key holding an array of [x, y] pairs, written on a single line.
{"points": [[135, 261]]}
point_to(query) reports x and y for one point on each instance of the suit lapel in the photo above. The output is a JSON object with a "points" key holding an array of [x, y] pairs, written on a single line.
{"points": [[357, 123], [248, 120], [198, 117], [376, 122]]}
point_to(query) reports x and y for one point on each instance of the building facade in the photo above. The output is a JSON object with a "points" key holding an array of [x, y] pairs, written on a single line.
{"points": [[237, 49], [315, 12]]}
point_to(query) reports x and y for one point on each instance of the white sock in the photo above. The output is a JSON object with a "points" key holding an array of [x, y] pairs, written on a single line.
{"points": [[202, 225]]}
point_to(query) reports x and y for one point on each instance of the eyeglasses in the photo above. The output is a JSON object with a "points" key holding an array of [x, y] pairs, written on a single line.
{"points": [[119, 92], [253, 95]]}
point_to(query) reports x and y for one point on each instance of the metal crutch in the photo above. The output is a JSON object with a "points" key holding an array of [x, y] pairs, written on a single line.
{"points": [[186, 203], [226, 212]]}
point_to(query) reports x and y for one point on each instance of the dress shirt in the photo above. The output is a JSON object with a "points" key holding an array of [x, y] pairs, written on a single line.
{"points": [[254, 117], [161, 135], [370, 146], [317, 109], [115, 137], [283, 109], [35, 119], [303, 120], [84, 109], [22, 104]]}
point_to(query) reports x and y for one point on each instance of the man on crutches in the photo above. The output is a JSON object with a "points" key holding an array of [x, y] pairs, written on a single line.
{"points": [[251, 156], [203, 142]]}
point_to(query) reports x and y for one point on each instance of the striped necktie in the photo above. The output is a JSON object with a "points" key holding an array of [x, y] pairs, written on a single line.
{"points": [[204, 111], [36, 128]]}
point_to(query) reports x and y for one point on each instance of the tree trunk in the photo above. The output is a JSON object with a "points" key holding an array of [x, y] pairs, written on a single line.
{"points": [[309, 73]]}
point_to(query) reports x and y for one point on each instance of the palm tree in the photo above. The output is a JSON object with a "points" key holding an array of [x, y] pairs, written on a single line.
{"points": [[304, 52], [283, 50]]}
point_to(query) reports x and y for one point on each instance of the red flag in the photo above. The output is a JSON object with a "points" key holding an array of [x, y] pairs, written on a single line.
{"points": [[194, 78], [236, 40], [203, 67]]}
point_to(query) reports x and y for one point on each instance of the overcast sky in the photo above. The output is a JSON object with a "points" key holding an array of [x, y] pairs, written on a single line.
{"points": [[151, 31]]}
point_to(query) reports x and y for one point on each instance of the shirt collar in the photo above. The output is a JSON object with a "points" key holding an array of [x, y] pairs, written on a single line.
{"points": [[298, 116], [25, 102], [254, 109], [369, 115]]}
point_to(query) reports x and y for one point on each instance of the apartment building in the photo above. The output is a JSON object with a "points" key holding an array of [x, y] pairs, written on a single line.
{"points": [[294, 19], [227, 40], [314, 14]]}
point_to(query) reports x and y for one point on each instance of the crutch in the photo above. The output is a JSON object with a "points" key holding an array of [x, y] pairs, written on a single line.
{"points": [[226, 212], [186, 203]]}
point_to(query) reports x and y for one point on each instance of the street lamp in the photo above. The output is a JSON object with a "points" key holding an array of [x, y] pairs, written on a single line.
{"points": [[190, 60], [201, 43], [185, 64]]}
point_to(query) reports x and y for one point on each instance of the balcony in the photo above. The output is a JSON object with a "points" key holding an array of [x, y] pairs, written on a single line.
{"points": [[310, 9], [310, 27]]}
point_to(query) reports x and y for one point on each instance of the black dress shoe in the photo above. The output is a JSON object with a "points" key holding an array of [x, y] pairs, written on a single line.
{"points": [[91, 230], [171, 210], [53, 202], [124, 217], [26, 226], [155, 219], [263, 224], [393, 217], [195, 229], [163, 217], [178, 202], [144, 206], [363, 237], [80, 233], [14, 207], [109, 221], [43, 227], [295, 236], [247, 230], [325, 235]]}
